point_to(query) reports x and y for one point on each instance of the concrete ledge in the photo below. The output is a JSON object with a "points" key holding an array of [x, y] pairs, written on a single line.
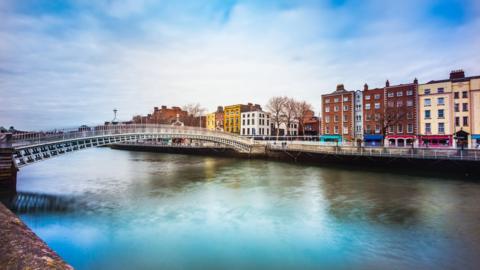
{"points": [[20, 248]]}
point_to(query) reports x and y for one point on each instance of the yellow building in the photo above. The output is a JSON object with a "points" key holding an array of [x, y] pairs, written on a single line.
{"points": [[211, 123], [447, 107], [232, 116]]}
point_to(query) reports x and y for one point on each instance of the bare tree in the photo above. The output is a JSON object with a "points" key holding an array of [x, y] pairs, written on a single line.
{"points": [[194, 111], [302, 109], [275, 107], [289, 113]]}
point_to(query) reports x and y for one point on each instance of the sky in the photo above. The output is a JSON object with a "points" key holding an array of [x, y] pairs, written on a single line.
{"points": [[67, 63]]}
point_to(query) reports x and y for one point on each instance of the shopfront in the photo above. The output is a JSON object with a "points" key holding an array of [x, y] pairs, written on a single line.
{"points": [[373, 140], [476, 141], [331, 138], [400, 141], [436, 141], [461, 138]]}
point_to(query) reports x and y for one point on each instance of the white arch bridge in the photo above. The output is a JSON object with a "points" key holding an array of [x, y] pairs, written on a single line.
{"points": [[37, 146]]}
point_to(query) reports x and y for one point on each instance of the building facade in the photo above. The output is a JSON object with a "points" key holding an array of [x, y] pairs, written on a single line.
{"points": [[232, 116], [373, 116], [255, 123], [338, 115], [215, 119], [358, 120], [310, 125], [401, 114]]}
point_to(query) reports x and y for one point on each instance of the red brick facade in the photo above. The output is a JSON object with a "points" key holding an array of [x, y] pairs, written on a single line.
{"points": [[373, 110], [338, 113]]}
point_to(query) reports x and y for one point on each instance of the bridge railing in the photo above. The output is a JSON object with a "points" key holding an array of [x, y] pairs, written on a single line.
{"points": [[40, 137]]}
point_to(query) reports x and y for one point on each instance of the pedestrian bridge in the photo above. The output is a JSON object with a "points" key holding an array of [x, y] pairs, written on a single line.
{"points": [[37, 146]]}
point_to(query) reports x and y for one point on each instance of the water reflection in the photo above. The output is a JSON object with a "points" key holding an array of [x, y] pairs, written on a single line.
{"points": [[146, 210]]}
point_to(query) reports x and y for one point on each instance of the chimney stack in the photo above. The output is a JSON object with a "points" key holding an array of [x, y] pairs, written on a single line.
{"points": [[457, 74], [387, 83], [365, 87], [415, 81], [340, 87]]}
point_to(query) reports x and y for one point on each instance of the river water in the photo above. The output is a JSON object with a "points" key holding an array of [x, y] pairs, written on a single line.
{"points": [[113, 209]]}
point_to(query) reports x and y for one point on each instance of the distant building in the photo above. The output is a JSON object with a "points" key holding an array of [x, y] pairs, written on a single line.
{"points": [[255, 123], [215, 119], [162, 115], [338, 115], [310, 125], [232, 116]]}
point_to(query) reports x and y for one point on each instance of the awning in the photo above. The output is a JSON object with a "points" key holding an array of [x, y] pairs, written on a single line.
{"points": [[373, 137], [401, 137], [476, 136], [435, 137], [331, 137]]}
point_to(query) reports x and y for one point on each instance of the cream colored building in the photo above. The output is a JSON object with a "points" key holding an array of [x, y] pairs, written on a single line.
{"points": [[447, 107]]}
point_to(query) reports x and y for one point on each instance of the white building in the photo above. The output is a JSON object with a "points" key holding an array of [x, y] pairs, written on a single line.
{"points": [[292, 129], [255, 123], [358, 115]]}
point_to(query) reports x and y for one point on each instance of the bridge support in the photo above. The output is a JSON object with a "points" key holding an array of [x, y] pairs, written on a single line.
{"points": [[8, 169]]}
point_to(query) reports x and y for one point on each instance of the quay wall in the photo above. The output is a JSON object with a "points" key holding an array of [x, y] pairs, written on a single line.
{"points": [[404, 164]]}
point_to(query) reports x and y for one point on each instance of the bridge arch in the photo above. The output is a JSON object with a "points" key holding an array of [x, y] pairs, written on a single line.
{"points": [[37, 146]]}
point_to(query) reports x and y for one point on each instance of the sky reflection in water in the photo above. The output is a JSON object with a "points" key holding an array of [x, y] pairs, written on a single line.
{"points": [[132, 210]]}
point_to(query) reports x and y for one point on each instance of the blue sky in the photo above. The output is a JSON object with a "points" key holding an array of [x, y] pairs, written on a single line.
{"points": [[65, 63]]}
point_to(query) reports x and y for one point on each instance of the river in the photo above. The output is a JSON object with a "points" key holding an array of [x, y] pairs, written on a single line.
{"points": [[113, 209]]}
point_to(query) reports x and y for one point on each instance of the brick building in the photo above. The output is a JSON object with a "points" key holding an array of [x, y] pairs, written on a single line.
{"points": [[310, 125], [401, 114], [162, 115], [338, 115], [373, 115]]}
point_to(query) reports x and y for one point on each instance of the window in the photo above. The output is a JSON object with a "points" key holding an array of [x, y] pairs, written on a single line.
{"points": [[409, 103], [410, 128], [367, 106], [253, 121], [464, 94], [409, 115], [399, 93], [335, 100], [369, 117], [410, 93], [428, 102], [428, 128], [400, 128], [327, 100], [345, 98], [335, 118], [440, 90], [441, 128], [390, 94], [390, 104], [441, 114], [243, 121], [399, 104], [427, 91], [457, 107], [457, 121], [327, 109], [441, 101], [465, 121], [345, 130], [377, 128], [248, 121], [377, 116], [455, 95], [377, 105], [427, 114], [377, 96], [345, 108], [335, 129], [335, 108], [345, 118], [243, 131], [367, 97], [327, 119], [465, 107], [390, 129], [327, 130]]}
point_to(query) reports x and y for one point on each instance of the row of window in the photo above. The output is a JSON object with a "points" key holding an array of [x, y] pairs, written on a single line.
{"points": [[336, 108], [252, 131], [428, 101], [368, 106], [399, 103], [260, 115], [400, 93], [441, 90], [336, 129], [252, 122], [346, 98], [441, 125]]}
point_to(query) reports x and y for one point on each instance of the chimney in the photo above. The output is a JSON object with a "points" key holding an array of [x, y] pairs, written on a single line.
{"points": [[155, 109], [387, 83], [457, 74], [340, 87], [365, 87], [164, 107], [415, 81], [219, 109]]}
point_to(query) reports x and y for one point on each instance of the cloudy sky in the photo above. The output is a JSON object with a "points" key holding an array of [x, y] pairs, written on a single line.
{"points": [[64, 63]]}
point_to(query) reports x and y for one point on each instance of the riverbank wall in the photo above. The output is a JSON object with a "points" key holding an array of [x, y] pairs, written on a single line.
{"points": [[20, 248], [369, 159]]}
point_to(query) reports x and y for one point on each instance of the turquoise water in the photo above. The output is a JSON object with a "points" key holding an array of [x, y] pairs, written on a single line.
{"points": [[133, 210]]}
